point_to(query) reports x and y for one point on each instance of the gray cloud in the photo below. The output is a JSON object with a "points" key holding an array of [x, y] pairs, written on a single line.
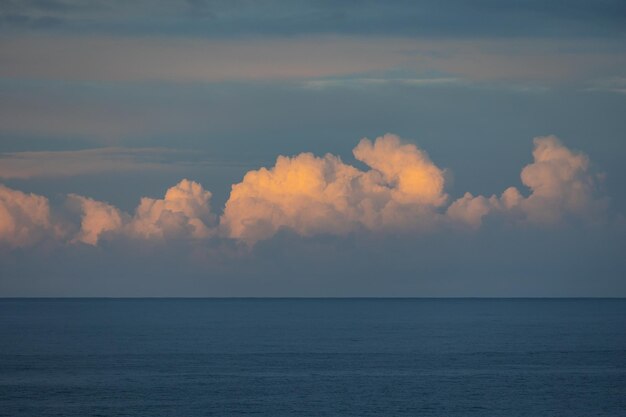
{"points": [[281, 17], [33, 164], [128, 59], [573, 262], [47, 164]]}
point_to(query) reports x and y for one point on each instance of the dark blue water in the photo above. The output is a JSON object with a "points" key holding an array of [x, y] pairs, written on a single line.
{"points": [[332, 357]]}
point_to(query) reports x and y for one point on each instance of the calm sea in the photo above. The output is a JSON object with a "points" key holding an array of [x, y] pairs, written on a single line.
{"points": [[313, 357]]}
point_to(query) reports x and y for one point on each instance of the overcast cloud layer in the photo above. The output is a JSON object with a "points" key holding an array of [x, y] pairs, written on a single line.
{"points": [[225, 18]]}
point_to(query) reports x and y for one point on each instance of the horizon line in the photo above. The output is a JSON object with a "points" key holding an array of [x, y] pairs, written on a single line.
{"points": [[2, 298]]}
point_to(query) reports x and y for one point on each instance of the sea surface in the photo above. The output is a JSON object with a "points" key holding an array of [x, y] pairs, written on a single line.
{"points": [[312, 357]]}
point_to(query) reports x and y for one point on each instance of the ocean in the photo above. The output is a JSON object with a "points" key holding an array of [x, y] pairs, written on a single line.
{"points": [[312, 357]]}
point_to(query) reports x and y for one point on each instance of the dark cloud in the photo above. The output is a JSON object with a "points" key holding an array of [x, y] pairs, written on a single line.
{"points": [[574, 262], [411, 18]]}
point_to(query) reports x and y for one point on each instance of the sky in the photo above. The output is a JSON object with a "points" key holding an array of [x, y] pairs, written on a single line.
{"points": [[312, 148]]}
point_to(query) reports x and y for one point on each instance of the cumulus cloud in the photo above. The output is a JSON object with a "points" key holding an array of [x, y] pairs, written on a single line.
{"points": [[24, 218], [312, 195], [561, 187], [412, 177], [97, 218], [402, 190], [560, 181], [470, 210], [184, 212]]}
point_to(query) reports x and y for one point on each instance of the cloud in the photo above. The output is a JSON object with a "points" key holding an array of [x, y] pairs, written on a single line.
{"points": [[98, 58], [561, 187], [288, 18], [97, 218], [89, 161], [560, 182], [612, 84], [149, 59], [184, 212], [412, 176], [381, 81], [470, 210], [400, 191], [313, 195], [24, 218], [403, 190]]}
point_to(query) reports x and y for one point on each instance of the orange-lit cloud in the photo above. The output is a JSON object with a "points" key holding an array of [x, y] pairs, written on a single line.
{"points": [[470, 210], [401, 191], [560, 183], [24, 218], [312, 195], [184, 212], [97, 218]]}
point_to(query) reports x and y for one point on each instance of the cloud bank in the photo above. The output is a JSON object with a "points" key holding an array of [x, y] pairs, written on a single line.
{"points": [[400, 191]]}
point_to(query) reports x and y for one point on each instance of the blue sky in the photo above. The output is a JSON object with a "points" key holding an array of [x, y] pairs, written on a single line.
{"points": [[105, 106]]}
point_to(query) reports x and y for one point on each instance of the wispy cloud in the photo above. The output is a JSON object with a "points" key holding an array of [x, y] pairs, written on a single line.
{"points": [[613, 84], [24, 165], [283, 17], [373, 81], [131, 59]]}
